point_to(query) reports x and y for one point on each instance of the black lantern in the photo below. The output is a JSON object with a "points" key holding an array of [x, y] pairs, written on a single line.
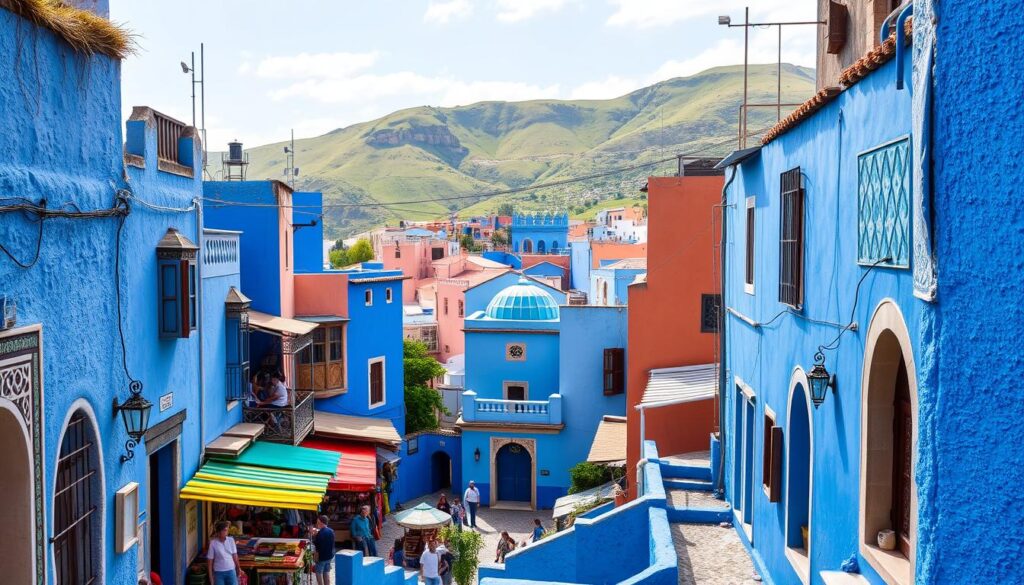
{"points": [[820, 380], [135, 414], [476, 454]]}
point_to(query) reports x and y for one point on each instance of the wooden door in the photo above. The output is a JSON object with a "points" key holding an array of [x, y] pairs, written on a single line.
{"points": [[902, 461]]}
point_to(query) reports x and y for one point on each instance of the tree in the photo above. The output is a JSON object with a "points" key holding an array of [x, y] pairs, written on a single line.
{"points": [[465, 546], [467, 243], [338, 258], [361, 251], [584, 476], [506, 208], [421, 401], [499, 238]]}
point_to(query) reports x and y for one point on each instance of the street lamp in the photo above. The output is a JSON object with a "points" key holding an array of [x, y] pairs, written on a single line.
{"points": [[135, 415], [186, 69], [820, 380]]}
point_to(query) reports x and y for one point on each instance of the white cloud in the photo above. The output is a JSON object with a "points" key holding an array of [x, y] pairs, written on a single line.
{"points": [[611, 87], [315, 65], [445, 12], [520, 10], [655, 13]]}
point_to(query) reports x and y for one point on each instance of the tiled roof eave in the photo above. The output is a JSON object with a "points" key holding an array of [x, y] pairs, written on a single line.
{"points": [[850, 76]]}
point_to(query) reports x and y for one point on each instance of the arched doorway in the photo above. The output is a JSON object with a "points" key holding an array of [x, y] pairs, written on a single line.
{"points": [[541, 248], [888, 434], [799, 465], [440, 471], [16, 486], [514, 471], [527, 246]]}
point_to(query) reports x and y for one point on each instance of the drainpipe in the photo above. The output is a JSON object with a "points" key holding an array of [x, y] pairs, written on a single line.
{"points": [[721, 332], [199, 319]]}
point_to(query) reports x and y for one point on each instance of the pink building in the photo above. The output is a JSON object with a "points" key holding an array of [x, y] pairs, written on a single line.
{"points": [[453, 276], [412, 251]]}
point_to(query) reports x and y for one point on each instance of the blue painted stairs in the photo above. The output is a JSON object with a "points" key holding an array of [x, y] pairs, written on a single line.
{"points": [[688, 489], [350, 567]]}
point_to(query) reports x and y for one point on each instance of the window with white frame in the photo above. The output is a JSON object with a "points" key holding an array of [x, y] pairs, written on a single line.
{"points": [[368, 297], [376, 378], [748, 278], [387, 295]]}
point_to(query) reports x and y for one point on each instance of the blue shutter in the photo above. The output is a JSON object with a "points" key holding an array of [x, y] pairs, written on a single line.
{"points": [[192, 304], [169, 285]]}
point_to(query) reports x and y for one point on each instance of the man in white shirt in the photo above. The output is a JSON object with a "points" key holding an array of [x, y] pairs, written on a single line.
{"points": [[431, 564], [278, 396], [222, 557], [472, 499]]}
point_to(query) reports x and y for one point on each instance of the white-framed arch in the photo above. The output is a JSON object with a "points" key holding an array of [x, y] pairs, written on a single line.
{"points": [[887, 342], [85, 407], [496, 443], [800, 562]]}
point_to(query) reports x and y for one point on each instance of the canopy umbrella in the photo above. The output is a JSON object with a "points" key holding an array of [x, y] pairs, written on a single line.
{"points": [[423, 516]]}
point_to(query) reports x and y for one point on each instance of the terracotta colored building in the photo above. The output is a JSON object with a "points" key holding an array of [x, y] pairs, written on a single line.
{"points": [[675, 296]]}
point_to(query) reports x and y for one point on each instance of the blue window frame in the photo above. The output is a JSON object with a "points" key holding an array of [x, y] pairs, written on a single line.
{"points": [[883, 204], [177, 290]]}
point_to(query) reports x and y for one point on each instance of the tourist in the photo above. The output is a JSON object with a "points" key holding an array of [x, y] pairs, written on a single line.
{"points": [[472, 498], [277, 394], [538, 530], [431, 564], [447, 558], [398, 553], [323, 541], [362, 533], [505, 546], [458, 514], [442, 504], [222, 557]]}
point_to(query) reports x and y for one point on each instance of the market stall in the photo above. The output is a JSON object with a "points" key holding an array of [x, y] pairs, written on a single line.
{"points": [[270, 494], [355, 484], [421, 524]]}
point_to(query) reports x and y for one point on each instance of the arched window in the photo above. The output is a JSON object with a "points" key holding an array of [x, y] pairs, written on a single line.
{"points": [[888, 493], [540, 247], [527, 246], [554, 247], [799, 465], [76, 502]]}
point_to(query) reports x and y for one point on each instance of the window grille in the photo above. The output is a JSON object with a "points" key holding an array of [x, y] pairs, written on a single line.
{"points": [[74, 501], [749, 267], [710, 305], [883, 204], [791, 239]]}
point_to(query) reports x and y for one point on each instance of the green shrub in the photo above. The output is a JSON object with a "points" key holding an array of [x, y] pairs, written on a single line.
{"points": [[584, 476], [465, 546]]}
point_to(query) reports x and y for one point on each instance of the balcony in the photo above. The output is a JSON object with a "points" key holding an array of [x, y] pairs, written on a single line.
{"points": [[288, 424], [491, 412]]}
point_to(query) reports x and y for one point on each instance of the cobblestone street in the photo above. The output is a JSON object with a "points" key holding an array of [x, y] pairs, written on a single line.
{"points": [[711, 555]]}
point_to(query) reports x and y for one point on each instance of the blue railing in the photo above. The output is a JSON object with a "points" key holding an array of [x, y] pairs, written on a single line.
{"points": [[511, 411]]}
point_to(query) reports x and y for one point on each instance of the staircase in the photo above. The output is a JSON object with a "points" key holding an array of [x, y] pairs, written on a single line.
{"points": [[689, 489], [350, 567]]}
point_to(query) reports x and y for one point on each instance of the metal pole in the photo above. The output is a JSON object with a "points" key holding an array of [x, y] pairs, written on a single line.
{"points": [[778, 72], [202, 97], [193, 70], [746, 39]]}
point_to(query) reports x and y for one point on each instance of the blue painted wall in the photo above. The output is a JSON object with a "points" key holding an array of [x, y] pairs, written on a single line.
{"points": [[618, 280], [825, 147], [416, 472], [553, 230], [975, 437], [545, 269], [60, 132], [309, 240], [510, 260], [220, 415], [580, 265], [261, 271]]}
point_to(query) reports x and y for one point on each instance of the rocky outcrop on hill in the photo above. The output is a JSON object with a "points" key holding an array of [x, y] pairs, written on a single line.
{"points": [[429, 136]]}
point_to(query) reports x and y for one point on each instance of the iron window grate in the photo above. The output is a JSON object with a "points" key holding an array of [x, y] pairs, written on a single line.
{"points": [[791, 239]]}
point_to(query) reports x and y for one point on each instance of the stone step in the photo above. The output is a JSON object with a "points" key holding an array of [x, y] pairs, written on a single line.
{"points": [[671, 470], [696, 507], [689, 484]]}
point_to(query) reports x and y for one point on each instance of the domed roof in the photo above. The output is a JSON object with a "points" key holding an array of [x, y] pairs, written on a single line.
{"points": [[523, 301]]}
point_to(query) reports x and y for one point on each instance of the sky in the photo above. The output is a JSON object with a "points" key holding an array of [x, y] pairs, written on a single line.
{"points": [[317, 65]]}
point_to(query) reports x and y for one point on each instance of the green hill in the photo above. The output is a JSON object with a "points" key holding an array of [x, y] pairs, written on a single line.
{"points": [[452, 155]]}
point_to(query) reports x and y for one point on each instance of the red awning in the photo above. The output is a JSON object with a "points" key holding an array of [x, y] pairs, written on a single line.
{"points": [[357, 468]]}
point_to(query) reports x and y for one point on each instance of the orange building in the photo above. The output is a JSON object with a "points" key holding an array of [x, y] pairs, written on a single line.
{"points": [[670, 335], [604, 250]]}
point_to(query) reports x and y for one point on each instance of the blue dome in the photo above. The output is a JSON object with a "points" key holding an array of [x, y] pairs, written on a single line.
{"points": [[523, 301]]}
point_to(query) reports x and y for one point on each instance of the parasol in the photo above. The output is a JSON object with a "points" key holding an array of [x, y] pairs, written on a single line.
{"points": [[423, 516]]}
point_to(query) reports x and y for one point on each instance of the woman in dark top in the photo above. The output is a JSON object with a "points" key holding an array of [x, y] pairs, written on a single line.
{"points": [[442, 504]]}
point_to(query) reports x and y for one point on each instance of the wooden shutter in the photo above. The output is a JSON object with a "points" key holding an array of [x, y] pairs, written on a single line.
{"points": [[170, 288], [614, 371], [775, 489], [376, 382]]}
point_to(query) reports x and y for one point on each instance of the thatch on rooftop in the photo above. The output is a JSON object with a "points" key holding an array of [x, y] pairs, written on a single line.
{"points": [[85, 31]]}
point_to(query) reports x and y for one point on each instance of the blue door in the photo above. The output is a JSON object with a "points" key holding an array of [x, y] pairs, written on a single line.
{"points": [[514, 473]]}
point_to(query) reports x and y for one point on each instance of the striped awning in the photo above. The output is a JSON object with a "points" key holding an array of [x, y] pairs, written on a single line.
{"points": [[251, 485], [679, 385]]}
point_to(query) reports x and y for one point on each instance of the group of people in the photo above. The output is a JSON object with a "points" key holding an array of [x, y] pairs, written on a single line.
{"points": [[268, 390], [462, 515], [507, 544]]}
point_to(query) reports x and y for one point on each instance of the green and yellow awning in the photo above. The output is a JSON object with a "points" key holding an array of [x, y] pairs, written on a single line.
{"points": [[299, 482]]}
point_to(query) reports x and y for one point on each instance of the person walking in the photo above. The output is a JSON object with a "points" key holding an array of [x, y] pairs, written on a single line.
{"points": [[458, 514], [222, 557], [472, 498], [323, 542], [362, 534], [431, 564], [538, 530], [505, 546], [447, 558]]}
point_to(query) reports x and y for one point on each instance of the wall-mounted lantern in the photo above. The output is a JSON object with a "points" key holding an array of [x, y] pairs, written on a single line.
{"points": [[177, 285], [135, 414], [820, 380], [476, 454]]}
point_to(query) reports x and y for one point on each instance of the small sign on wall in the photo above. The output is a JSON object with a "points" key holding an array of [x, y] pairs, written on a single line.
{"points": [[166, 401], [545, 472]]}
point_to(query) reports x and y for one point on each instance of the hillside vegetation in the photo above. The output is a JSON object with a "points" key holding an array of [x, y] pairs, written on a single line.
{"points": [[455, 156]]}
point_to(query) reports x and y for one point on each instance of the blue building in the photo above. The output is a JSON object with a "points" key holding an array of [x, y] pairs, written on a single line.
{"points": [[540, 234], [609, 282], [830, 390], [109, 288], [533, 400]]}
